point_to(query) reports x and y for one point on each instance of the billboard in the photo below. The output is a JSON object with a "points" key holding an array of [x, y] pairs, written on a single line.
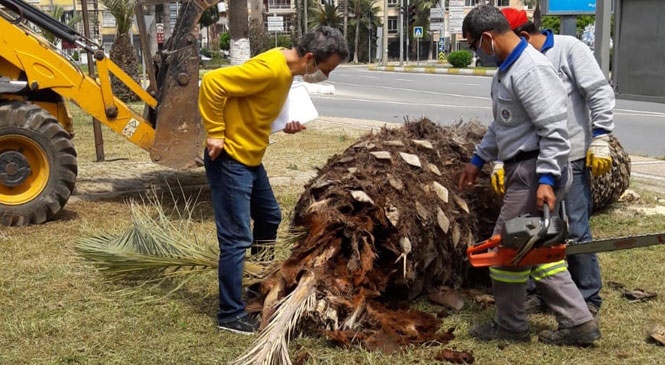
{"points": [[568, 7], [639, 71]]}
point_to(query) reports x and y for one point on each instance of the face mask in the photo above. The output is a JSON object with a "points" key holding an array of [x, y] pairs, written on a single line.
{"points": [[493, 57], [315, 77]]}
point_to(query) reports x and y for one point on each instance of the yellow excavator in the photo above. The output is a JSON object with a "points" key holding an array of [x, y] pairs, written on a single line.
{"points": [[38, 165]]}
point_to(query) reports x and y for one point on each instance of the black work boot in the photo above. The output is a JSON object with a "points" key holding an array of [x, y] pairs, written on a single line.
{"points": [[491, 331], [535, 304], [581, 335], [594, 312]]}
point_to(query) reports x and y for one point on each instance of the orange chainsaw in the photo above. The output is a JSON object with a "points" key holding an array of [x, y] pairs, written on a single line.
{"points": [[527, 240]]}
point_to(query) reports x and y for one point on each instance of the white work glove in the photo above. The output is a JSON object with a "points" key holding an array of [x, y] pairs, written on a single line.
{"points": [[598, 157], [497, 178]]}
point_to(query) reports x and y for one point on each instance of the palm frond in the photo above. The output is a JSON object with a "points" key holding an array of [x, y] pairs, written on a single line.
{"points": [[157, 246], [272, 346]]}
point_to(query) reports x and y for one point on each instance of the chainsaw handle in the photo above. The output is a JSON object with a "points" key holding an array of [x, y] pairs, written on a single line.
{"points": [[485, 253]]}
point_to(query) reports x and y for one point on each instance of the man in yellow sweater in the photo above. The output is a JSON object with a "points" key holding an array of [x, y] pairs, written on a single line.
{"points": [[238, 105]]}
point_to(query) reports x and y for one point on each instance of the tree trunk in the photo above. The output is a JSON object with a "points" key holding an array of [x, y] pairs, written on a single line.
{"points": [[166, 18], [345, 11], [356, 41], [238, 32], [537, 16], [122, 54]]}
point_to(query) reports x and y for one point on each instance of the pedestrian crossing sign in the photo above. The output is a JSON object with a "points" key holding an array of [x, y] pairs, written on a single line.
{"points": [[417, 32]]}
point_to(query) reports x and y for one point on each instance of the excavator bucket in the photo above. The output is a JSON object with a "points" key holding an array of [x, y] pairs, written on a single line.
{"points": [[179, 133]]}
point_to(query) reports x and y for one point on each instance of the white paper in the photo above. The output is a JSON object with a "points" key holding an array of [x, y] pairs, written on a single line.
{"points": [[298, 107]]}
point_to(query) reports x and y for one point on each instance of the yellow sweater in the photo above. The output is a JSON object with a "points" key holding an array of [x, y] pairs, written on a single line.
{"points": [[239, 103]]}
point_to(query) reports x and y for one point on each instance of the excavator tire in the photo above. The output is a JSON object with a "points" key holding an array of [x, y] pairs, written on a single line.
{"points": [[37, 165]]}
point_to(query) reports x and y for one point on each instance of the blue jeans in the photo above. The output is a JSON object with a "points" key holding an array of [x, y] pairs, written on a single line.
{"points": [[584, 268], [239, 193]]}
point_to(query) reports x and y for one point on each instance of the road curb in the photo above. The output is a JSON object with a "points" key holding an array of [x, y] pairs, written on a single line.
{"points": [[434, 70]]}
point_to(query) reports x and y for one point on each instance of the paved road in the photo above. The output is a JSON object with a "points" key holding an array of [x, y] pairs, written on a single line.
{"points": [[392, 96]]}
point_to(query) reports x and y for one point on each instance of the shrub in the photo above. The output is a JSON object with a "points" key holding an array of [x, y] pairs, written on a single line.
{"points": [[460, 59]]}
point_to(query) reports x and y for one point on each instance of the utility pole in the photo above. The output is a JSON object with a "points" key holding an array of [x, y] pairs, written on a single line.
{"points": [[601, 46], [407, 31], [401, 32]]}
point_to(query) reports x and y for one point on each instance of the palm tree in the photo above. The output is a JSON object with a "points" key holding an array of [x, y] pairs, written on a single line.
{"points": [[363, 12], [239, 32], [122, 51], [57, 13], [326, 15]]}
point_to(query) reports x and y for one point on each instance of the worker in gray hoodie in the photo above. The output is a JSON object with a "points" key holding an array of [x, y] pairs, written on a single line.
{"points": [[529, 134], [590, 121]]}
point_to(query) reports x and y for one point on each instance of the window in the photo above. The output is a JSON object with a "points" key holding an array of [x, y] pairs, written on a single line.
{"points": [[392, 3], [108, 21], [473, 2], [392, 24], [502, 2]]}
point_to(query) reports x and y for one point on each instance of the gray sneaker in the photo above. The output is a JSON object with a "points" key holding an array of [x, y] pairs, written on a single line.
{"points": [[491, 331], [581, 335], [246, 325]]}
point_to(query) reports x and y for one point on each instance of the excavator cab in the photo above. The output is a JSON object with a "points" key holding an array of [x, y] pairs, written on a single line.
{"points": [[38, 165]]}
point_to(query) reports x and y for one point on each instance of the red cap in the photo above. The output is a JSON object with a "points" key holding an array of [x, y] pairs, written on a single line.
{"points": [[515, 17]]}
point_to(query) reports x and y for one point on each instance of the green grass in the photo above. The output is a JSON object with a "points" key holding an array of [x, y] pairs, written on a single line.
{"points": [[56, 309]]}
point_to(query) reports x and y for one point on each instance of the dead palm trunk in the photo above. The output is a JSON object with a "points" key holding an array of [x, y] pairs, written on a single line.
{"points": [[238, 32]]}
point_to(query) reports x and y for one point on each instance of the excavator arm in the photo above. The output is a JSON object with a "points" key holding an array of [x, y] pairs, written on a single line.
{"points": [[38, 164]]}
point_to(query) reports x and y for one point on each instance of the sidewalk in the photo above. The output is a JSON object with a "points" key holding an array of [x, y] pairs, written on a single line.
{"points": [[434, 69]]}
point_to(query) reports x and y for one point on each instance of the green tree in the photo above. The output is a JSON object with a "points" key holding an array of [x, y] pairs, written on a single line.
{"points": [[208, 19], [325, 14], [58, 13], [122, 52], [364, 13]]}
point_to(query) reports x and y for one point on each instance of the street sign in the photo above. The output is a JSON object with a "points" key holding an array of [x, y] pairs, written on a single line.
{"points": [[455, 15], [275, 24], [417, 32], [442, 44], [437, 13], [568, 7]]}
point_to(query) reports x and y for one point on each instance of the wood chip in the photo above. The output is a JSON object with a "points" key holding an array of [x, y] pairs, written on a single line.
{"points": [[461, 203], [456, 235], [411, 159], [444, 222], [657, 333], [395, 182], [440, 191], [421, 211], [361, 196], [394, 143], [392, 214], [423, 143], [435, 170], [381, 155]]}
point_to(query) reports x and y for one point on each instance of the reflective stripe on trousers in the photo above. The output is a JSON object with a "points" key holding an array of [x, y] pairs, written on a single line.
{"points": [[538, 273]]}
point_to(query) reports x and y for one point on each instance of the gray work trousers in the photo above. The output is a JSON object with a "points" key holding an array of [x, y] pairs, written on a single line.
{"points": [[558, 289]]}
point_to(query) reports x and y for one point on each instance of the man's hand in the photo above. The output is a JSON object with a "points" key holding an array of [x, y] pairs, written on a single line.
{"points": [[497, 178], [468, 176], [215, 147], [545, 194], [293, 127], [598, 157]]}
